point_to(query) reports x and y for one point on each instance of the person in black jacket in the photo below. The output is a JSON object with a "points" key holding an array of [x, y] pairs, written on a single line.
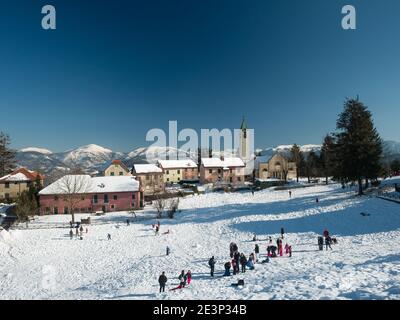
{"points": [[162, 280], [257, 251], [211, 263]]}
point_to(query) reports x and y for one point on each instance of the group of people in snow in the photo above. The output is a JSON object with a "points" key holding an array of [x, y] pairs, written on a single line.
{"points": [[184, 279], [239, 262], [78, 231], [328, 240]]}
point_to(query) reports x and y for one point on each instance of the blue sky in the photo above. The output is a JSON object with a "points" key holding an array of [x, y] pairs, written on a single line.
{"points": [[115, 69]]}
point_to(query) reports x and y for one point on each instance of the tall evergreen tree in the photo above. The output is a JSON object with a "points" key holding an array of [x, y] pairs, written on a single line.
{"points": [[26, 206], [298, 158], [7, 155], [327, 157], [359, 146], [312, 166]]}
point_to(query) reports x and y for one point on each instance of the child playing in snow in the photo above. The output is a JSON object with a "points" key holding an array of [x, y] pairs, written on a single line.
{"points": [[189, 277]]}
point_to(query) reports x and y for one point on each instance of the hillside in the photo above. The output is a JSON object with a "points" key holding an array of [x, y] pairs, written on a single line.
{"points": [[364, 264]]}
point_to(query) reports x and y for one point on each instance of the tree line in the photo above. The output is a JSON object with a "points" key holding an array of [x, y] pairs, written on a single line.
{"points": [[353, 153]]}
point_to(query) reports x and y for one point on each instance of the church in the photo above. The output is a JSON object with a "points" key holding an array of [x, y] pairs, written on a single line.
{"points": [[272, 166], [278, 166]]}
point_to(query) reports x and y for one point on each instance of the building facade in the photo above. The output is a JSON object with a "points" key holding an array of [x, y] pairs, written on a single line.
{"points": [[277, 167], [91, 194], [13, 184], [116, 168], [222, 170], [175, 171], [151, 178]]}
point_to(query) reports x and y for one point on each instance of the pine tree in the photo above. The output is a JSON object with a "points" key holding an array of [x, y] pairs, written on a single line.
{"points": [[327, 157], [7, 155], [359, 146], [312, 166], [26, 205], [298, 158]]}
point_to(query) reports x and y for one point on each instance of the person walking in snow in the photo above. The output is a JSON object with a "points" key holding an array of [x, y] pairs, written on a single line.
{"points": [[243, 262], [127, 222], [77, 231], [182, 279], [162, 280], [87, 229], [157, 230], [290, 194], [108, 236], [257, 251], [279, 246], [71, 234], [282, 232], [328, 241], [81, 230], [211, 263], [168, 251], [189, 277], [290, 251]]}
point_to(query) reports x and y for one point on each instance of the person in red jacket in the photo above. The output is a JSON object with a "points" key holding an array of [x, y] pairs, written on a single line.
{"points": [[326, 233]]}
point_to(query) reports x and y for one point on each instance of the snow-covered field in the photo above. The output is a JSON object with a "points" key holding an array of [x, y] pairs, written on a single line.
{"points": [[43, 263]]}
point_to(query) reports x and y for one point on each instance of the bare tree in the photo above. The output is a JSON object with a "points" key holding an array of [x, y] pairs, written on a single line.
{"points": [[173, 206], [73, 188], [159, 204]]}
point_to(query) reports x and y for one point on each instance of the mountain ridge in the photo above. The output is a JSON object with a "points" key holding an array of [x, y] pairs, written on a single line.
{"points": [[92, 157]]}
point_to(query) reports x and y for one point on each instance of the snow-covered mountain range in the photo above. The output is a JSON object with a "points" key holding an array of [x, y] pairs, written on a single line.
{"points": [[93, 157]]}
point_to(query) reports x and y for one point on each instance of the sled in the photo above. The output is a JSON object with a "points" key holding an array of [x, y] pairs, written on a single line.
{"points": [[178, 288]]}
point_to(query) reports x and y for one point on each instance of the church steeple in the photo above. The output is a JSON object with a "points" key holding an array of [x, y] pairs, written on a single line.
{"points": [[244, 124]]}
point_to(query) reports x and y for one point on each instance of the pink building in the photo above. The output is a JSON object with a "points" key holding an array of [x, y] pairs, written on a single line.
{"points": [[222, 170], [90, 194]]}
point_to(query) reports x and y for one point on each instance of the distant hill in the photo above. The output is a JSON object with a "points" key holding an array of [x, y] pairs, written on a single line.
{"points": [[92, 157]]}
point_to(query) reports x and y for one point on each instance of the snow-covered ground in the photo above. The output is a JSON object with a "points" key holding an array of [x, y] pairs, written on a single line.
{"points": [[43, 263]]}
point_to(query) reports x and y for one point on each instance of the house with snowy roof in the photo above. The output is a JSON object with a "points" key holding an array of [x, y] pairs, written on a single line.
{"points": [[222, 170], [116, 168], [151, 178], [91, 194], [175, 171], [13, 184]]}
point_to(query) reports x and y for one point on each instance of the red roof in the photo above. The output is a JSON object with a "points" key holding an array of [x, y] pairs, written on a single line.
{"points": [[31, 175]]}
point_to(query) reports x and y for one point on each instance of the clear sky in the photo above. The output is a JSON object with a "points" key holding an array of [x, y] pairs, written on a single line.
{"points": [[115, 69]]}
